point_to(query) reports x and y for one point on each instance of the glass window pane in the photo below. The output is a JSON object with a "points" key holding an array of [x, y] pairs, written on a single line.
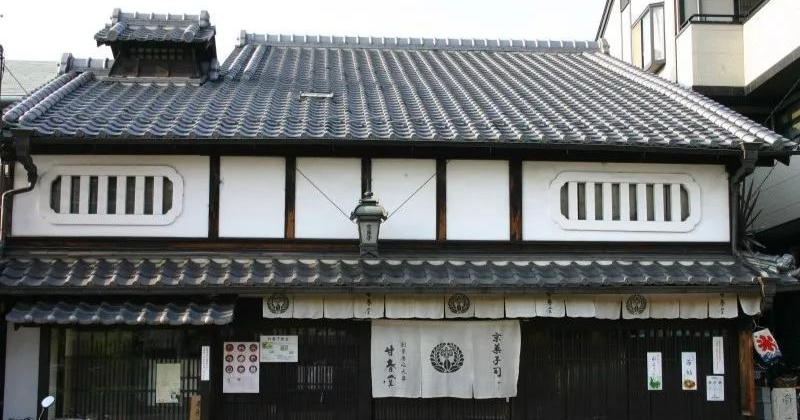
{"points": [[636, 44], [689, 8], [647, 41], [658, 33]]}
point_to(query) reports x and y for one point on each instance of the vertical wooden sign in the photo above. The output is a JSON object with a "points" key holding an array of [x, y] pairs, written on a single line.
{"points": [[195, 411]]}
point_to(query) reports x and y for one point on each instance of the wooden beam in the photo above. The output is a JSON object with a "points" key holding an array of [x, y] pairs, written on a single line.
{"points": [[747, 383], [366, 175], [515, 197], [441, 199], [289, 195], [213, 197]]}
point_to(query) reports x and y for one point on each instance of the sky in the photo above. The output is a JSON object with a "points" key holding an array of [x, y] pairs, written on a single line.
{"points": [[44, 29]]}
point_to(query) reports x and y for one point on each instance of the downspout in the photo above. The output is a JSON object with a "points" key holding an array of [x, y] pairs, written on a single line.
{"points": [[748, 165], [21, 154]]}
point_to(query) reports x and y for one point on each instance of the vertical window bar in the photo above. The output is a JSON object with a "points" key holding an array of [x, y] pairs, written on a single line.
{"points": [[641, 202], [591, 205], [83, 194], [624, 201], [572, 201], [581, 201], [608, 201], [658, 202], [66, 188], [675, 201], [102, 194]]}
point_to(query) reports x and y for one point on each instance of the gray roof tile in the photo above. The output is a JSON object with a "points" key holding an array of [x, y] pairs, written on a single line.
{"points": [[127, 313], [227, 273], [405, 89], [150, 27]]}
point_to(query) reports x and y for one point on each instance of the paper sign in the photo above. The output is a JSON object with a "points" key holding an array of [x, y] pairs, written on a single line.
{"points": [[240, 368], [689, 371], [278, 349], [784, 404], [655, 381], [195, 408], [715, 388], [718, 354], [205, 363], [168, 383]]}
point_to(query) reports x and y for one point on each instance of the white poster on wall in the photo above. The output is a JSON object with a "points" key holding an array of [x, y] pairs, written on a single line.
{"points": [[718, 355], [205, 363], [689, 371], [715, 388], [655, 380], [168, 383], [784, 404], [278, 349], [240, 367]]}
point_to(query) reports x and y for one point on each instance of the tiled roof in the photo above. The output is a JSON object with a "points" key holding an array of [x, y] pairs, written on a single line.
{"points": [[127, 313], [148, 27], [230, 274], [401, 89]]}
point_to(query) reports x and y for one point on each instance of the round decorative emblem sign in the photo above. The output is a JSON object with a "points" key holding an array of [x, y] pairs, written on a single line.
{"points": [[458, 303], [278, 303], [447, 358], [636, 304]]}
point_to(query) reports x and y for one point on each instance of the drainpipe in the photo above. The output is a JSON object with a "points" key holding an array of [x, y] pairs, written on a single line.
{"points": [[21, 154], [749, 158]]}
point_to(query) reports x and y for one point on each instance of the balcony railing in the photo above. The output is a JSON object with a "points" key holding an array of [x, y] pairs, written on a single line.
{"points": [[742, 9]]}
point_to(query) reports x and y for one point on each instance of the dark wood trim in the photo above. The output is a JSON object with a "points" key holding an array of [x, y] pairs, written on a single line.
{"points": [[43, 379], [289, 197], [441, 200], [366, 175], [515, 198], [7, 183], [747, 382], [213, 196]]}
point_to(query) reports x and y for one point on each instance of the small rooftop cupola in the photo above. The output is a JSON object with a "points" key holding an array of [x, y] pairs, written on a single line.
{"points": [[156, 46]]}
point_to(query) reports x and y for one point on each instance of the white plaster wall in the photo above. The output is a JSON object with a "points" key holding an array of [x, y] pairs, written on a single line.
{"points": [[28, 217], [670, 44], [22, 373], [613, 32], [478, 200], [538, 224], [779, 200], [714, 53], [393, 182], [627, 21], [252, 196], [340, 180], [770, 35]]}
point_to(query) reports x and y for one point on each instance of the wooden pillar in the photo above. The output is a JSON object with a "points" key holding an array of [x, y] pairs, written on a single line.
{"points": [[515, 196], [213, 196], [441, 199], [291, 173], [747, 384]]}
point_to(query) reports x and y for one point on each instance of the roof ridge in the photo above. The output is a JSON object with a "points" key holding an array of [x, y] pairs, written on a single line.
{"points": [[118, 16], [70, 63], [491, 44], [742, 127]]}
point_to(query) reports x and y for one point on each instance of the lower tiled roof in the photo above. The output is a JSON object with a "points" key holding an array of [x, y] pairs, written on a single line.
{"points": [[127, 313], [219, 274]]}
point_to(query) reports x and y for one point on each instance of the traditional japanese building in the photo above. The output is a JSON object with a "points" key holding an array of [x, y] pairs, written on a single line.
{"points": [[376, 228]]}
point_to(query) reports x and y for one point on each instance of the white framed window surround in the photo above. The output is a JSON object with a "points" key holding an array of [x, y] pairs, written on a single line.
{"points": [[127, 195], [625, 201]]}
